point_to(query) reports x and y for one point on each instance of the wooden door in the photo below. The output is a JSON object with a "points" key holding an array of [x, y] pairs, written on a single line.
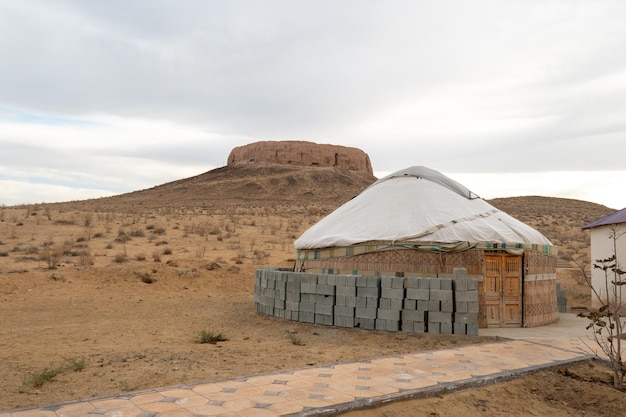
{"points": [[503, 295]]}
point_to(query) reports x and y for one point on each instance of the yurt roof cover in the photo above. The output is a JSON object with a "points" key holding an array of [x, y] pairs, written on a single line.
{"points": [[419, 205]]}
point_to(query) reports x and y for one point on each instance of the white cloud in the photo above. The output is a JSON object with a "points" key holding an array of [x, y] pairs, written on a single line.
{"points": [[123, 95]]}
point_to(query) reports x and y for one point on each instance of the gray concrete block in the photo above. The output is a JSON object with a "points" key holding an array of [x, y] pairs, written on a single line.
{"points": [[351, 280], [324, 319], [372, 292], [344, 311], [466, 295], [360, 302], [322, 279], [433, 328], [292, 305], [459, 328], [409, 304], [292, 315], [445, 283], [472, 329], [466, 318], [460, 307], [424, 305], [365, 313], [385, 282], [326, 289], [345, 290], [324, 309], [384, 303], [434, 284], [441, 295], [414, 326], [306, 288], [445, 328], [363, 323], [308, 298], [417, 294], [324, 299], [340, 280], [373, 282], [434, 305], [397, 282], [279, 303], [439, 317], [447, 306], [307, 307], [412, 282], [424, 283], [306, 317], [350, 301], [388, 325], [473, 307], [371, 302], [292, 296], [384, 314], [460, 284], [397, 293], [412, 315], [279, 312], [361, 281], [308, 278], [341, 321]]}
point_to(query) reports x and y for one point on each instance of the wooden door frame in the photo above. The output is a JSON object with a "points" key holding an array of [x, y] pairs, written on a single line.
{"points": [[496, 302]]}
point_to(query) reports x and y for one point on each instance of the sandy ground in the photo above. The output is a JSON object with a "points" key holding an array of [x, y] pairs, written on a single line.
{"points": [[112, 302]]}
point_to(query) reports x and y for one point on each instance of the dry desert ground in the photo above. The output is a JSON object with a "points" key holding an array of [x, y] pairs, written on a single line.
{"points": [[96, 302]]}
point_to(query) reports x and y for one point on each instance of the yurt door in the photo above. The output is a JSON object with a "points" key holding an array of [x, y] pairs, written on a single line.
{"points": [[503, 296]]}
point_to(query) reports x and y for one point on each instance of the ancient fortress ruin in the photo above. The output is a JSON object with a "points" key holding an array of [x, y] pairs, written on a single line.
{"points": [[301, 153]]}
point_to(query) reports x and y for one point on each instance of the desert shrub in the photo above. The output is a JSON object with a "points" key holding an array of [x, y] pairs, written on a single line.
{"points": [[140, 257], [37, 380], [98, 234], [122, 236], [51, 255], [4, 253], [295, 340], [204, 336], [26, 249], [120, 258], [75, 365], [162, 242], [137, 233], [156, 257], [84, 257], [158, 230], [109, 246], [167, 251]]}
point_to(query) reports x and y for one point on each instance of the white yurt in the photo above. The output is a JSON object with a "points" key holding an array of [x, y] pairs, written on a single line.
{"points": [[418, 222]]}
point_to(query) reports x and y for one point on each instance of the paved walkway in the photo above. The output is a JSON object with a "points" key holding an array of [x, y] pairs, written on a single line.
{"points": [[346, 386]]}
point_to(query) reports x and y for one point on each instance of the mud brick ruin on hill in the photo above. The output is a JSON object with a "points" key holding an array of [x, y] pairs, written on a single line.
{"points": [[301, 153]]}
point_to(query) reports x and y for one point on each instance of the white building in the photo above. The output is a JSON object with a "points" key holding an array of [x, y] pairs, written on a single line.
{"points": [[608, 238]]}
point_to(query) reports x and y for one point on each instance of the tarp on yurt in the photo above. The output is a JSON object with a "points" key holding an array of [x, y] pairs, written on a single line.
{"points": [[418, 204]]}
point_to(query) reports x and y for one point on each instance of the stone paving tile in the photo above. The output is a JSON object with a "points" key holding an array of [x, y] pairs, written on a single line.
{"points": [[301, 391]]}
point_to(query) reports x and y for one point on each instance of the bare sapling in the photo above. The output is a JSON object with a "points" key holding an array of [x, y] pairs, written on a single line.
{"points": [[606, 322]]}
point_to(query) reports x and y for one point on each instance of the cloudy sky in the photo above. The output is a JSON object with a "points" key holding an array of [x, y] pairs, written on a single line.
{"points": [[507, 97]]}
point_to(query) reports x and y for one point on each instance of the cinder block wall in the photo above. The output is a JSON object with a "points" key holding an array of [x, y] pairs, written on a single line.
{"points": [[414, 305]]}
